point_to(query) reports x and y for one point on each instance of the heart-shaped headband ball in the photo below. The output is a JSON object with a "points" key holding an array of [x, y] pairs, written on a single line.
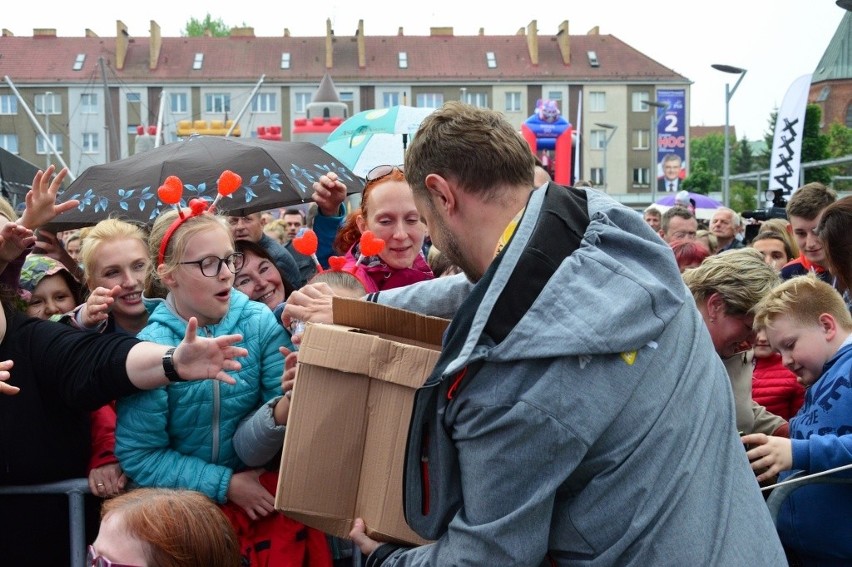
{"points": [[336, 263], [370, 245], [306, 243]]}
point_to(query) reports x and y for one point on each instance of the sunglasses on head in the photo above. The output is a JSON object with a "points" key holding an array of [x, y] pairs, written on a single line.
{"points": [[382, 171], [95, 560]]}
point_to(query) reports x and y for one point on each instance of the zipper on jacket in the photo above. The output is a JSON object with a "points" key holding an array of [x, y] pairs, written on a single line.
{"points": [[424, 472]]}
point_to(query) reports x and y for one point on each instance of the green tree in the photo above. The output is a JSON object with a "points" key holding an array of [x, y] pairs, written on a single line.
{"points": [[710, 149], [840, 145], [762, 161], [743, 197], [198, 28], [700, 179], [744, 161], [815, 146]]}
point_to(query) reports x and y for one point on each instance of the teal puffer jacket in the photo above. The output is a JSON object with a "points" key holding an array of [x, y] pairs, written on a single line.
{"points": [[179, 436]]}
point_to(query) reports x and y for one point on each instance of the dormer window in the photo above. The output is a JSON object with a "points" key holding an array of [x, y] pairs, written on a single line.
{"points": [[593, 59], [491, 60], [78, 62], [285, 60], [403, 60], [199, 61]]}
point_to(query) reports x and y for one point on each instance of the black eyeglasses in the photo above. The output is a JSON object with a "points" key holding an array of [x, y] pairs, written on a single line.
{"points": [[382, 171], [210, 266]]}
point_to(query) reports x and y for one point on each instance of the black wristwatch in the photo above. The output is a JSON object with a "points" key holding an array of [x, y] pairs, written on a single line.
{"points": [[169, 367]]}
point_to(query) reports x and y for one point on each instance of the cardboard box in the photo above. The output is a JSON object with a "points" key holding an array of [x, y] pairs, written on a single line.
{"points": [[348, 425]]}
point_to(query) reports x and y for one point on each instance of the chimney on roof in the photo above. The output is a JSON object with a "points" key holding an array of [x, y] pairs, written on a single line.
{"points": [[7, 33], [442, 30], [564, 42], [362, 50], [481, 31], [286, 32], [399, 32], [90, 33], [329, 44], [242, 32], [122, 38], [532, 41], [155, 45], [594, 31], [44, 32]]}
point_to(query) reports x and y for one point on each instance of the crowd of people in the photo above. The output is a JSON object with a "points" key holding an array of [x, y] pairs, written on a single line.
{"points": [[613, 387]]}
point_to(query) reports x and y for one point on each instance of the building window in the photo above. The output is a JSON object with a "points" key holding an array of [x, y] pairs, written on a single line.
{"points": [[134, 97], [8, 104], [390, 99], [302, 102], [638, 100], [597, 176], [641, 139], [640, 176], [178, 103], [48, 103], [403, 60], [90, 143], [263, 102], [430, 100], [78, 62], [597, 139], [347, 96], [491, 60], [285, 60], [479, 100], [823, 94], [55, 139], [554, 95], [217, 103], [198, 62], [513, 101], [597, 101], [89, 103], [9, 142]]}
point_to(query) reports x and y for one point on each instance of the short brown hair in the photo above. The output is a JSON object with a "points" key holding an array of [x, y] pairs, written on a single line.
{"points": [[681, 212], [836, 238], [803, 299], [452, 141], [182, 528], [809, 200]]}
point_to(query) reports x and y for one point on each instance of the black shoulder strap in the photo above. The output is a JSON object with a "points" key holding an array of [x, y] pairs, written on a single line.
{"points": [[561, 225]]}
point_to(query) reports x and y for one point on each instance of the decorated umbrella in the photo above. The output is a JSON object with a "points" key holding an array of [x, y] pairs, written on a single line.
{"points": [[704, 205], [273, 174], [363, 152], [398, 119]]}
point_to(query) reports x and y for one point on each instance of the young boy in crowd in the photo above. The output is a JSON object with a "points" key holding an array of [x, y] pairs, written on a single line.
{"points": [[804, 211], [807, 321]]}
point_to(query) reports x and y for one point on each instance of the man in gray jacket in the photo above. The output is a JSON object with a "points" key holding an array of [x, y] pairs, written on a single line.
{"points": [[579, 414]]}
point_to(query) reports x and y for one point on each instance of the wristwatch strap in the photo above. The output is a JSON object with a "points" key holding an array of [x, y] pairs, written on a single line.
{"points": [[169, 367]]}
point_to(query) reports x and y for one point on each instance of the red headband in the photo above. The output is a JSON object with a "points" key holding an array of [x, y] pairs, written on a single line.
{"points": [[170, 193]]}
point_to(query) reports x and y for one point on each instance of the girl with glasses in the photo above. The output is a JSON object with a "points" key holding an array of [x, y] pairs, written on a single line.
{"points": [[182, 436], [388, 211]]}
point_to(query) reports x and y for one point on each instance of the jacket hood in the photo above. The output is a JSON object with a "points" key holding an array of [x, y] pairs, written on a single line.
{"points": [[615, 294]]}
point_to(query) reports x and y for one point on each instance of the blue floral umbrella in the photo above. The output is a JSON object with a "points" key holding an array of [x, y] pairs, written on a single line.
{"points": [[274, 174]]}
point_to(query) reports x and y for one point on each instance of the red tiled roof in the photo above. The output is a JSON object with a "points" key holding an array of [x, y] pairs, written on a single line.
{"points": [[437, 58]]}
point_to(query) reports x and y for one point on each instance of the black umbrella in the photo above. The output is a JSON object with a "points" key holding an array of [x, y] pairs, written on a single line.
{"points": [[16, 176], [274, 174]]}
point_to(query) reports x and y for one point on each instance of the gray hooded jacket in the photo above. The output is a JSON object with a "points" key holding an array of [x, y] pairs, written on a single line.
{"points": [[597, 429]]}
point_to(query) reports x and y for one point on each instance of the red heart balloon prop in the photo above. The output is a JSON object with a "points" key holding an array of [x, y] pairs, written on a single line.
{"points": [[306, 243], [336, 263], [170, 191], [197, 206], [229, 182], [371, 244]]}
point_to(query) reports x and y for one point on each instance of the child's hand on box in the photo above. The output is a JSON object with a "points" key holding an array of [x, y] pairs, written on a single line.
{"points": [[769, 454]]}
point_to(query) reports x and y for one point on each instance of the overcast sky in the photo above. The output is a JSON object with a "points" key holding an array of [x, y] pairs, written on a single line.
{"points": [[775, 40]]}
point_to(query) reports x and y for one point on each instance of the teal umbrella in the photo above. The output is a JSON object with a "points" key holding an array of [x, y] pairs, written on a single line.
{"points": [[399, 119], [362, 152]]}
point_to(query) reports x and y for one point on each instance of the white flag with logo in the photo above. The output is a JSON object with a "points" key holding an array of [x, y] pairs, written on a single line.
{"points": [[786, 156]]}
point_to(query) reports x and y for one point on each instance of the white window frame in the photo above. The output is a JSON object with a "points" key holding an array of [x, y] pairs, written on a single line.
{"points": [[178, 103], [91, 143], [490, 60], [555, 95], [640, 176], [430, 100], [638, 100], [597, 101], [198, 62], [641, 139], [479, 100], [9, 142], [403, 60], [285, 60], [596, 176], [8, 104], [133, 97], [391, 98], [217, 103], [513, 101], [79, 61], [53, 101], [597, 138], [301, 100], [41, 147], [264, 103], [89, 103]]}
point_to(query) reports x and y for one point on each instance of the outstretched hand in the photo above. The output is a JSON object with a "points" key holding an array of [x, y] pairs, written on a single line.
{"points": [[41, 199], [5, 388], [14, 239], [329, 194], [310, 303], [96, 309], [200, 358]]}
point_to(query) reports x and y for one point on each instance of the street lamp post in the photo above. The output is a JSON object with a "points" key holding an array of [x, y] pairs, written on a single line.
{"points": [[652, 173], [48, 96], [612, 128], [729, 93]]}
